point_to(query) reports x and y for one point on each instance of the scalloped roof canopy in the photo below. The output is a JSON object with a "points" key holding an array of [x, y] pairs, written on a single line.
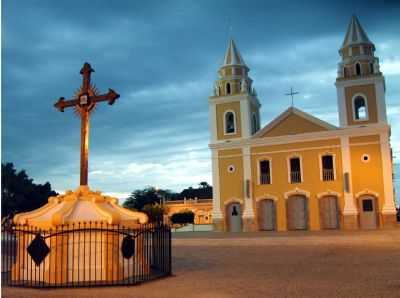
{"points": [[81, 206]]}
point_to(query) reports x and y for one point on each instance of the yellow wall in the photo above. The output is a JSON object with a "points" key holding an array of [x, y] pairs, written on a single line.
{"points": [[311, 176], [201, 208], [293, 124], [369, 91], [231, 184], [364, 139], [367, 175], [221, 108]]}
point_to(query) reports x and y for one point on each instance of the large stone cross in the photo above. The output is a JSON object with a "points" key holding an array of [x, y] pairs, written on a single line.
{"points": [[85, 100]]}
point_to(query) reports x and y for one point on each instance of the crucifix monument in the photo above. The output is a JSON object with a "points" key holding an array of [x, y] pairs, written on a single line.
{"points": [[84, 102], [78, 211]]}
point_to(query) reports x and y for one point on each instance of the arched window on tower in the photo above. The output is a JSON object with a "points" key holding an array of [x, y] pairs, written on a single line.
{"points": [[360, 108], [358, 69], [228, 88], [345, 72], [371, 68], [230, 122]]}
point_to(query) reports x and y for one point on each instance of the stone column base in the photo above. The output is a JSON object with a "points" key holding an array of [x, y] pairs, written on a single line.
{"points": [[389, 221], [218, 225], [249, 224], [350, 222]]}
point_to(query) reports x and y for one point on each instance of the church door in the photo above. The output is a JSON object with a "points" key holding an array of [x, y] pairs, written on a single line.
{"points": [[235, 217], [329, 214], [297, 213], [367, 207], [267, 212]]}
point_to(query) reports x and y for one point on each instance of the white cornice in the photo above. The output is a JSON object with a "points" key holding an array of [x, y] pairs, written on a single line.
{"points": [[303, 137], [363, 81], [234, 98]]}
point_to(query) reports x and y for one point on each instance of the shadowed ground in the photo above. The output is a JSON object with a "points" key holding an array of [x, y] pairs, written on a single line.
{"points": [[295, 264]]}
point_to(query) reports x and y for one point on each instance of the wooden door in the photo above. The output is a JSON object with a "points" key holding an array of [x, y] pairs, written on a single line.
{"points": [[297, 213], [267, 209], [329, 212]]}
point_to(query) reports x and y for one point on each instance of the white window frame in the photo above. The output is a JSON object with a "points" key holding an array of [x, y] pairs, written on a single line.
{"points": [[296, 155], [321, 167], [354, 109], [259, 160], [234, 123]]}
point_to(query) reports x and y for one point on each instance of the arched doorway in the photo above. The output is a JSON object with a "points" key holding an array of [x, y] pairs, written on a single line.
{"points": [[297, 212], [368, 214], [329, 212], [234, 217], [267, 215]]}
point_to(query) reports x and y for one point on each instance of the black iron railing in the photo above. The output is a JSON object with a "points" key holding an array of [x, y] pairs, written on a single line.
{"points": [[328, 175], [265, 179], [85, 254], [295, 177]]}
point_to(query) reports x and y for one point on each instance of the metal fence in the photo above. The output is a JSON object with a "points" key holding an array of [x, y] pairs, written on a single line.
{"points": [[84, 254]]}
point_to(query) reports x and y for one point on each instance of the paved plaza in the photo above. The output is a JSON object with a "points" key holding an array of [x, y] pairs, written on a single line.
{"points": [[293, 264]]}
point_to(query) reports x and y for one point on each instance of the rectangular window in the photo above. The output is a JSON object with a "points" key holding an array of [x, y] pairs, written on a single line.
{"points": [[265, 172], [328, 173], [295, 171]]}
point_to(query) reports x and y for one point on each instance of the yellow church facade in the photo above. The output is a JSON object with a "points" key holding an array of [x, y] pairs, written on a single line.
{"points": [[299, 172]]}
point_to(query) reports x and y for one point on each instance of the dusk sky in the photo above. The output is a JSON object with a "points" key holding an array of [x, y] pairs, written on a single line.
{"points": [[162, 57]]}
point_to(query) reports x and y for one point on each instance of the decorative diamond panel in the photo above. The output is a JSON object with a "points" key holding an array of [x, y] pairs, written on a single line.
{"points": [[128, 247], [38, 249]]}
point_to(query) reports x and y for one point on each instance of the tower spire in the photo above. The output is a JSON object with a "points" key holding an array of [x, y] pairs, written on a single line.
{"points": [[355, 34], [232, 55]]}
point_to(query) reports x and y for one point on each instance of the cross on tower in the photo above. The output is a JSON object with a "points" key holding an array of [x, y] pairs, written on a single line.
{"points": [[291, 94], [86, 99]]}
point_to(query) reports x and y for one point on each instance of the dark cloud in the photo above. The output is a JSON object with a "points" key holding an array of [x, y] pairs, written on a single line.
{"points": [[162, 57]]}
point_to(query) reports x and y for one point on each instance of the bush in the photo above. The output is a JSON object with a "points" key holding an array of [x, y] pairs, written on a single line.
{"points": [[183, 217]]}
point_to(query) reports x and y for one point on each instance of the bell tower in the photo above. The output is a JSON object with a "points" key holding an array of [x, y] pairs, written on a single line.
{"points": [[360, 84], [233, 107]]}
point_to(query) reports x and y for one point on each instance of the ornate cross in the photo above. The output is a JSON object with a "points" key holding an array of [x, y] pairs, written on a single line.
{"points": [[84, 102], [291, 94]]}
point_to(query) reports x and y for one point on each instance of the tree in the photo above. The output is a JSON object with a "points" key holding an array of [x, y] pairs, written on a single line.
{"points": [[148, 196], [19, 193], [155, 212], [204, 184]]}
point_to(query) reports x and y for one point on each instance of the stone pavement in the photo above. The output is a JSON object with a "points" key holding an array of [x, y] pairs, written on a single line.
{"points": [[263, 264]]}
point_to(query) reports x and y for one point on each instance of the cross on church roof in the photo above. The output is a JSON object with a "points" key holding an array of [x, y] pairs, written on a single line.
{"points": [[291, 93]]}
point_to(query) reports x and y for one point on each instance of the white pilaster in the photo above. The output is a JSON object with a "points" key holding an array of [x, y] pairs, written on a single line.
{"points": [[388, 206], [380, 100], [342, 106], [245, 118], [212, 118], [349, 206], [248, 196], [217, 214]]}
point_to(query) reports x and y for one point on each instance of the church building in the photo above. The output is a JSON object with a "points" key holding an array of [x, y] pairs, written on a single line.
{"points": [[299, 172]]}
